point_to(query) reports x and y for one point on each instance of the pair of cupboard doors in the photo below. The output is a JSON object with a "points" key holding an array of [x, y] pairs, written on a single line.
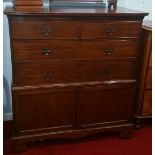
{"points": [[72, 107]]}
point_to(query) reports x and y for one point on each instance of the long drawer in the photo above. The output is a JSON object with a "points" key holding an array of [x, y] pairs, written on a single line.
{"points": [[73, 71], [26, 51], [71, 29]]}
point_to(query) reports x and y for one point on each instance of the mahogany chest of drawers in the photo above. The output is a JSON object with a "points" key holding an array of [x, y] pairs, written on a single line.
{"points": [[74, 71]]}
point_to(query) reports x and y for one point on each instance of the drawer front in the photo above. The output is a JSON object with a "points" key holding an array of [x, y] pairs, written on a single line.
{"points": [[149, 80], [147, 104], [44, 29], [102, 29], [70, 72], [26, 51]]}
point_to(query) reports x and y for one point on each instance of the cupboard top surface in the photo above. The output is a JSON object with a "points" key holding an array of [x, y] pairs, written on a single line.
{"points": [[72, 11]]}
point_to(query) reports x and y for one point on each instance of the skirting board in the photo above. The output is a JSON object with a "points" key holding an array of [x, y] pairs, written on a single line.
{"points": [[7, 117]]}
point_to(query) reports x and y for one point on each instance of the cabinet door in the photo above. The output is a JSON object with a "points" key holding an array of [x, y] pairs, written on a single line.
{"points": [[47, 110], [150, 60], [147, 103], [101, 106], [149, 80]]}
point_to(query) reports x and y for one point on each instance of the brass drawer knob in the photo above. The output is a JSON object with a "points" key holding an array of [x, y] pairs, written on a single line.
{"points": [[111, 31], [107, 71], [46, 51], [47, 75], [46, 30], [109, 51]]}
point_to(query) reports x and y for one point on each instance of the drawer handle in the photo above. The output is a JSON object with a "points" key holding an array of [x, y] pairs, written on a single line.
{"points": [[47, 75], [109, 51], [111, 31], [107, 71], [46, 30], [46, 51]]}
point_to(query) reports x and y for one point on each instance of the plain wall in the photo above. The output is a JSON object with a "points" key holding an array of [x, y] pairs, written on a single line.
{"points": [[141, 5], [7, 70]]}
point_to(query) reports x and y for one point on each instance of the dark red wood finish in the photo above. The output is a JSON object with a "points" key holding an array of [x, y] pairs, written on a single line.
{"points": [[42, 112], [110, 29], [149, 80], [74, 71], [147, 104], [56, 50], [45, 29], [74, 29], [29, 3], [144, 99], [105, 107]]}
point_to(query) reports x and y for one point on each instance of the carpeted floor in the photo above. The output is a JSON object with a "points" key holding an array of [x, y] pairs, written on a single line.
{"points": [[139, 144]]}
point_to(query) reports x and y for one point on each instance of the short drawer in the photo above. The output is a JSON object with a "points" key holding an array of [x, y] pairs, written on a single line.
{"points": [[73, 71], [113, 29], [149, 80], [43, 50], [147, 104], [44, 29]]}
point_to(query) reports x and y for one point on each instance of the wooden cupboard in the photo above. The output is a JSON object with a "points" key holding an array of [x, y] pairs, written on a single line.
{"points": [[144, 99]]}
